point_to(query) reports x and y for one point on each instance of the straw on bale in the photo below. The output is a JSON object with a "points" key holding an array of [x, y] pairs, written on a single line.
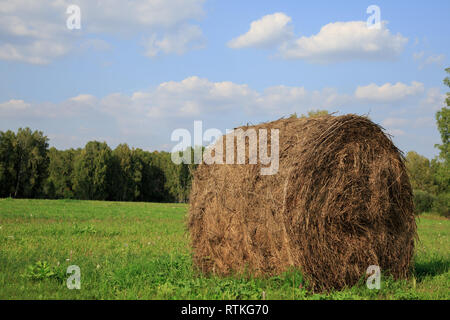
{"points": [[340, 202]]}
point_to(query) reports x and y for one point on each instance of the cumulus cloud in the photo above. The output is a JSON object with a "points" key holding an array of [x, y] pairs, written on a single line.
{"points": [[342, 41], [150, 115], [30, 33], [35, 31], [12, 106], [285, 100], [198, 97], [335, 42], [270, 30], [83, 98], [194, 96], [388, 92]]}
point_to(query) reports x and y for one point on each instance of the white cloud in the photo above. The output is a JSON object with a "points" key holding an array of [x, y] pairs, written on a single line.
{"points": [[31, 38], [388, 92], [418, 55], [422, 122], [37, 52], [146, 118], [393, 125], [83, 98], [198, 97], [95, 44], [435, 59], [342, 41], [395, 122], [284, 100], [130, 16], [187, 38], [270, 30], [433, 100], [14, 105], [35, 31], [195, 96]]}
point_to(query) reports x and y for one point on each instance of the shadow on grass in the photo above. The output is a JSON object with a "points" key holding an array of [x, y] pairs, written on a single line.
{"points": [[431, 268]]}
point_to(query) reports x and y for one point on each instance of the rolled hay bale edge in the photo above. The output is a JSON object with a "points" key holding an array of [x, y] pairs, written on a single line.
{"points": [[340, 202]]}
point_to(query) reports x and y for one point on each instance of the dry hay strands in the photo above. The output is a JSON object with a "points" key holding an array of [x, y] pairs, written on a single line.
{"points": [[340, 202]]}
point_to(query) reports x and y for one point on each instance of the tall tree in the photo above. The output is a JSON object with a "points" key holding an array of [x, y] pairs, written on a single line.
{"points": [[59, 182], [7, 163], [421, 172], [92, 178], [153, 178], [31, 163], [443, 124], [127, 173]]}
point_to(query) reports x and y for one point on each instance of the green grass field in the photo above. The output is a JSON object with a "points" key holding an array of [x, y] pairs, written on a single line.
{"points": [[141, 251]]}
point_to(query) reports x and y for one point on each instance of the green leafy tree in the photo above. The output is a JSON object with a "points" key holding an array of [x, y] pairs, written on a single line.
{"points": [[162, 161], [443, 124], [7, 163], [153, 178], [447, 83], [421, 172], [127, 167], [92, 176], [122, 172], [29, 169], [60, 173], [31, 163]]}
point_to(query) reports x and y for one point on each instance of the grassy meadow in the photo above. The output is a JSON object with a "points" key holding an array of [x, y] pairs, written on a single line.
{"points": [[141, 251]]}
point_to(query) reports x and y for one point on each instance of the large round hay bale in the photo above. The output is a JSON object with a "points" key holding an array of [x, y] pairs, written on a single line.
{"points": [[340, 202]]}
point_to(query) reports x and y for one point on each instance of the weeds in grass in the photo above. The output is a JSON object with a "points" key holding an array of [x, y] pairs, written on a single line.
{"points": [[89, 229], [39, 271]]}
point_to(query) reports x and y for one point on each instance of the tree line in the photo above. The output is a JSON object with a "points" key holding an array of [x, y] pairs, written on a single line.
{"points": [[30, 169]]}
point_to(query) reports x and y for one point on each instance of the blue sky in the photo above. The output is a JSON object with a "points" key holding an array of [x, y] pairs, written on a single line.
{"points": [[137, 70]]}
